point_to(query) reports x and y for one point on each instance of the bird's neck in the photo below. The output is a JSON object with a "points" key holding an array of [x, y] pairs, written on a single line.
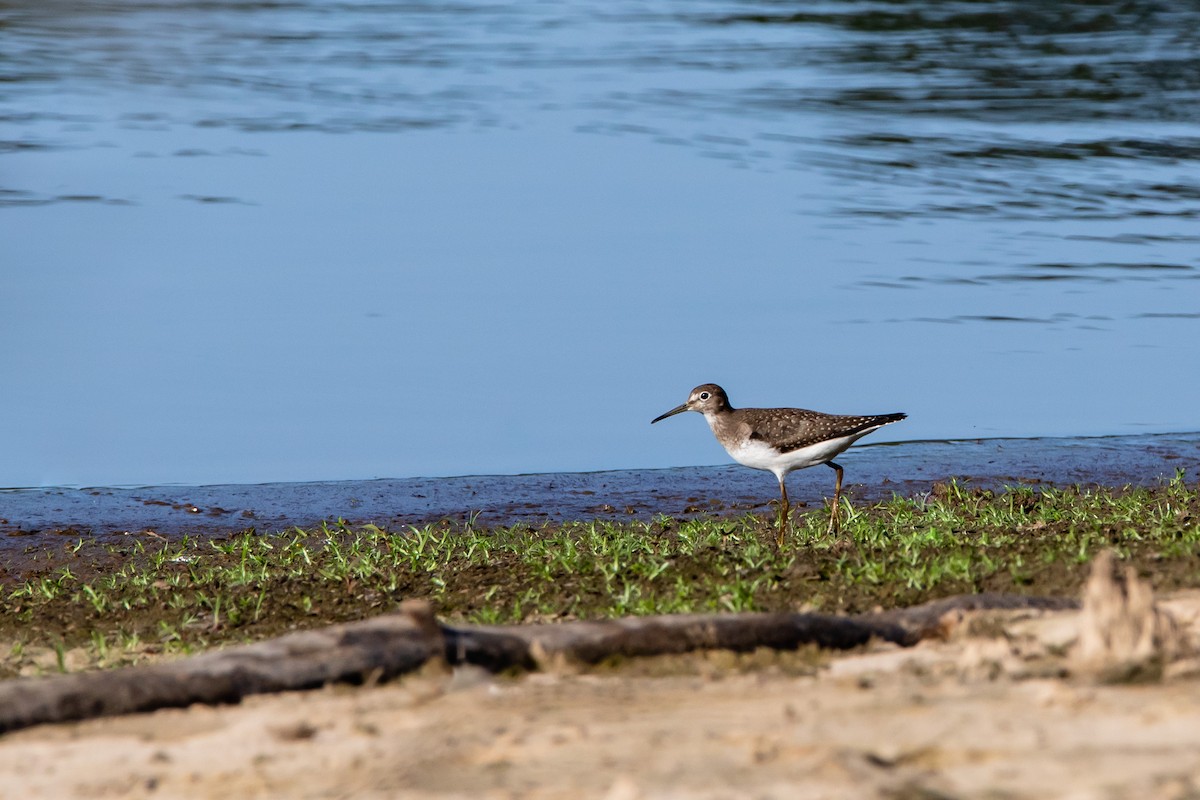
{"points": [[721, 422]]}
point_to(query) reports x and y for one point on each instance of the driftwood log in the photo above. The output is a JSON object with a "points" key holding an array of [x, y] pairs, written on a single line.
{"points": [[928, 620], [531, 646], [393, 644], [378, 648]]}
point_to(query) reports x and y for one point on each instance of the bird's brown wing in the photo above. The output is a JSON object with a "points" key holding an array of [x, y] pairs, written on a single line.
{"points": [[789, 429]]}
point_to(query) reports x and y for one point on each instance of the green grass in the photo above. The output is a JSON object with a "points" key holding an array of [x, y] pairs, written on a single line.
{"points": [[94, 604]]}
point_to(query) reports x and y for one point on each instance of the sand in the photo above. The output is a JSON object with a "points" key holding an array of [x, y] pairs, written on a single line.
{"points": [[993, 711]]}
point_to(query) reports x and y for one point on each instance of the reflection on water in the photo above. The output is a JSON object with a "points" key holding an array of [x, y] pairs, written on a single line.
{"points": [[255, 241], [1004, 62]]}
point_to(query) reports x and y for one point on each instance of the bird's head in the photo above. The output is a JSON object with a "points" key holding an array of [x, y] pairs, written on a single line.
{"points": [[707, 398]]}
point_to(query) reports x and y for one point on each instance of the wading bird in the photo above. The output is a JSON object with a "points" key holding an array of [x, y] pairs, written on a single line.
{"points": [[780, 440]]}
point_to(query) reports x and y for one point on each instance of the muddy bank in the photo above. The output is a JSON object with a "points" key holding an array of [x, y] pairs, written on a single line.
{"points": [[109, 601], [873, 471]]}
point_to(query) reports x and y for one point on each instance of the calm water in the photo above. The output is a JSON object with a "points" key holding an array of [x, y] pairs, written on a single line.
{"points": [[311, 240]]}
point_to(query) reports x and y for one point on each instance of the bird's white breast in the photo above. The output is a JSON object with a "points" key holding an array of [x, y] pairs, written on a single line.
{"points": [[757, 454]]}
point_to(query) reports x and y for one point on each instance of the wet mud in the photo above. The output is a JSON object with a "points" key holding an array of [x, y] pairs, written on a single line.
{"points": [[29, 517]]}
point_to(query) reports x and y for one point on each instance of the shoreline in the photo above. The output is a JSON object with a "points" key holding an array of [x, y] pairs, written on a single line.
{"points": [[873, 472]]}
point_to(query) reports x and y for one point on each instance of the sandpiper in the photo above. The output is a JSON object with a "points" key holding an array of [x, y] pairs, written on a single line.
{"points": [[780, 440]]}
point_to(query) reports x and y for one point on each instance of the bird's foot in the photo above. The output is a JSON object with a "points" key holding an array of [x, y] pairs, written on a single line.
{"points": [[835, 523]]}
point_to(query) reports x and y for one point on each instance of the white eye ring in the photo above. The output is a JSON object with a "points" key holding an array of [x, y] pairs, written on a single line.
{"points": [[704, 395]]}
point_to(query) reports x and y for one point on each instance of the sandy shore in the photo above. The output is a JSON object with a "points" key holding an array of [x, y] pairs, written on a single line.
{"points": [[986, 713]]}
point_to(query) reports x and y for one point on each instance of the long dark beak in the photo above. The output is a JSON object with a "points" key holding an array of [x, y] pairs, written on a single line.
{"points": [[671, 413]]}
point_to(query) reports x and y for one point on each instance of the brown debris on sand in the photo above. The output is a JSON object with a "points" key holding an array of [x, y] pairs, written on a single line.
{"points": [[362, 652], [393, 644], [1123, 635]]}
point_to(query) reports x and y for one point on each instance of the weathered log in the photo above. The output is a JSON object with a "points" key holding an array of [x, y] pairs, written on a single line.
{"points": [[525, 646], [927, 620], [591, 642], [379, 648], [393, 644]]}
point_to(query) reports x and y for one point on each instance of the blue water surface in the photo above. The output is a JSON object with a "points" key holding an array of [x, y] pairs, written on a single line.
{"points": [[246, 242]]}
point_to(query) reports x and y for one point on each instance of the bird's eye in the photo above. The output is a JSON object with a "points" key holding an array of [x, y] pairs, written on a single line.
{"points": [[704, 395]]}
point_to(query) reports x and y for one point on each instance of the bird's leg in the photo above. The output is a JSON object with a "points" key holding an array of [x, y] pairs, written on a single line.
{"points": [[783, 513], [837, 498]]}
